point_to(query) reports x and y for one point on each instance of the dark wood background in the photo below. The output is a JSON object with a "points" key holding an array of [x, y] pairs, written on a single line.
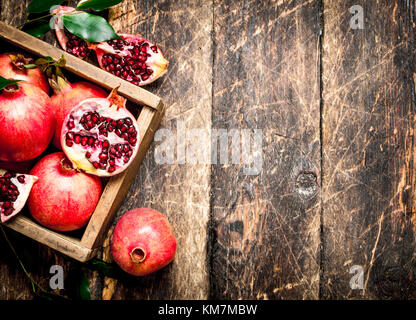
{"points": [[336, 107]]}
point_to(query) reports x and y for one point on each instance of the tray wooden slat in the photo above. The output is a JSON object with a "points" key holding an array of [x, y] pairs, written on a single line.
{"points": [[79, 67]]}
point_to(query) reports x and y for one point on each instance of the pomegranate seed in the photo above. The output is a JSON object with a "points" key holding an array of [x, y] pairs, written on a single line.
{"points": [[84, 141], [96, 164], [21, 179], [88, 155], [77, 139], [7, 204], [111, 169]]}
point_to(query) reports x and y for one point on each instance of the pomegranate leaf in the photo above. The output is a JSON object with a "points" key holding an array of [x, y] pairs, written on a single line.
{"points": [[97, 5], [6, 82], [78, 287], [37, 28], [38, 6], [89, 27]]}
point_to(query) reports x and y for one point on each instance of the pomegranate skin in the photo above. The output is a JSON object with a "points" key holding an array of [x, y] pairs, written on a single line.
{"points": [[143, 242], [27, 123], [34, 77], [67, 97], [63, 199]]}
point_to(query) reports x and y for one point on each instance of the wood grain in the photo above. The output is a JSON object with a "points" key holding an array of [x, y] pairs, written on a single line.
{"points": [[182, 29], [369, 150], [266, 76]]}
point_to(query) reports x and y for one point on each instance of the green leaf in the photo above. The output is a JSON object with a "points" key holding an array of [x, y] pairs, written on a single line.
{"points": [[37, 6], [106, 269], [97, 5], [5, 82], [37, 28], [89, 27], [78, 285]]}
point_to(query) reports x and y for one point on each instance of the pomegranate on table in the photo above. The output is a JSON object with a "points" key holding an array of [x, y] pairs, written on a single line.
{"points": [[14, 191], [27, 122], [66, 97], [12, 66], [132, 58], [143, 242], [63, 199], [100, 136]]}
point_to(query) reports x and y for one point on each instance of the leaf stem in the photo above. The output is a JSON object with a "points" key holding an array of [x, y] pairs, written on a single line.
{"points": [[36, 19], [33, 282]]}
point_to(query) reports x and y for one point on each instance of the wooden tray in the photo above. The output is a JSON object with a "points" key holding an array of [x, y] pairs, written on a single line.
{"points": [[116, 189]]}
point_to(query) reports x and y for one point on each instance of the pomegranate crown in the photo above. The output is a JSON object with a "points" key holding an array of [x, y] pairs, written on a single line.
{"points": [[116, 100]]}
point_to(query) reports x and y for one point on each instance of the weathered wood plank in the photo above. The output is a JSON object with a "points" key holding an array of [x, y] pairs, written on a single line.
{"points": [[181, 191], [14, 284], [266, 76], [368, 150]]}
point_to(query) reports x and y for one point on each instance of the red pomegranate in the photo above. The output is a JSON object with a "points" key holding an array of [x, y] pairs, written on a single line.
{"points": [[132, 58], [63, 199], [66, 97], [14, 191], [143, 242], [12, 66], [100, 136], [27, 122]]}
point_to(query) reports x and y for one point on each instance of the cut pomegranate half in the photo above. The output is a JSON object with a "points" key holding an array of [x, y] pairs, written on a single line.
{"points": [[68, 41], [14, 191], [134, 59], [100, 136]]}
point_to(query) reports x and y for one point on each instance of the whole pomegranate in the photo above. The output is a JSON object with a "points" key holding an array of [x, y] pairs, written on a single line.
{"points": [[100, 136], [66, 97], [63, 199], [14, 191], [143, 242], [132, 58], [27, 122], [12, 66]]}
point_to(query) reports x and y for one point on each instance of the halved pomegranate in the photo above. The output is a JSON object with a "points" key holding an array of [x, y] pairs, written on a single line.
{"points": [[14, 191], [100, 136], [69, 42], [134, 59], [12, 66]]}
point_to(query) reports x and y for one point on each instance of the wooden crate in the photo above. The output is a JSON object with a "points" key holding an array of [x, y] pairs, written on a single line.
{"points": [[116, 189]]}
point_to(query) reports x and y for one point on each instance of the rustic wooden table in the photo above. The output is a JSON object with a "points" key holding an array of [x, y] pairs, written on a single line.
{"points": [[336, 106]]}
